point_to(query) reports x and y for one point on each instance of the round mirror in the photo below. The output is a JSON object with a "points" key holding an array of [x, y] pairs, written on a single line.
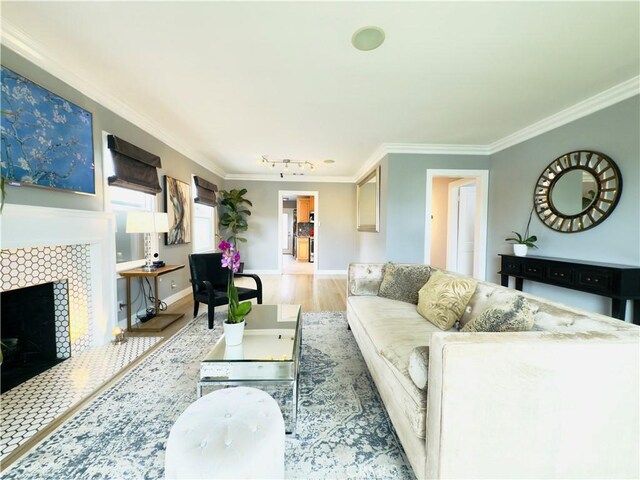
{"points": [[574, 192], [577, 191]]}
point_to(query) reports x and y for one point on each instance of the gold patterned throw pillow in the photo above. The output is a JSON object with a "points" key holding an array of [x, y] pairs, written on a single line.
{"points": [[402, 282], [514, 315], [444, 297]]}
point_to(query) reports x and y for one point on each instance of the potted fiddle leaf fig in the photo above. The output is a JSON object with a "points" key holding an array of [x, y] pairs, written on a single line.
{"points": [[521, 243], [234, 210]]}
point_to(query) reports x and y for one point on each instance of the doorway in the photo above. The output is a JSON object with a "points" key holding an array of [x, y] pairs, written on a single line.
{"points": [[461, 225], [456, 222], [298, 232]]}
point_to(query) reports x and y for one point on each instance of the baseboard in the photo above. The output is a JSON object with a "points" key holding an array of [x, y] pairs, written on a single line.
{"points": [[262, 272], [177, 296]]}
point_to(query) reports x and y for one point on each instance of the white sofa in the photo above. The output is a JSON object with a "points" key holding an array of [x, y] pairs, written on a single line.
{"points": [[560, 401]]}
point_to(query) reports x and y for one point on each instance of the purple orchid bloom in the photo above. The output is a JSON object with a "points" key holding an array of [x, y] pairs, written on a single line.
{"points": [[224, 246]]}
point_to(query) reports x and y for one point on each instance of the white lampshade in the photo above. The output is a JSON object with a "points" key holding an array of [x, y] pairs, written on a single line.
{"points": [[147, 222]]}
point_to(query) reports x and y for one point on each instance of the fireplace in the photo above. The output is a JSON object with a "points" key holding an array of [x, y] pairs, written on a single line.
{"points": [[74, 250], [35, 331]]}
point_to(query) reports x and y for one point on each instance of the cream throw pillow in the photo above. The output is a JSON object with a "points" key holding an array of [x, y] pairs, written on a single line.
{"points": [[419, 366], [514, 315], [444, 297]]}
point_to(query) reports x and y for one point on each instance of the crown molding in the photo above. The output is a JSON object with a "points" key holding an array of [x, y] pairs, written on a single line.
{"points": [[250, 177], [25, 46], [436, 149], [371, 162], [600, 101], [418, 149]]}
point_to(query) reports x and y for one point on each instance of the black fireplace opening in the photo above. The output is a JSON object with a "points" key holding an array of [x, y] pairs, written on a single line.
{"points": [[28, 332]]}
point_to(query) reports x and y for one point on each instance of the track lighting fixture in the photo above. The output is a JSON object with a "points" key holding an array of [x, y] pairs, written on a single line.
{"points": [[286, 163]]}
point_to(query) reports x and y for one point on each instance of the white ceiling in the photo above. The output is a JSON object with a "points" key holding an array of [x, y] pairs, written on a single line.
{"points": [[228, 82]]}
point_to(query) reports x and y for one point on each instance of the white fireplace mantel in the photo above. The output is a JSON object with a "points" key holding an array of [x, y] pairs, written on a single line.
{"points": [[24, 226]]}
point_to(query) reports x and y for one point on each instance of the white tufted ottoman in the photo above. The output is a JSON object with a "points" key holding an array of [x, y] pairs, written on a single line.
{"points": [[230, 433]]}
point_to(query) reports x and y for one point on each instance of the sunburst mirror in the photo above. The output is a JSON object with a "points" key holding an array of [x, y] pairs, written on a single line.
{"points": [[577, 191]]}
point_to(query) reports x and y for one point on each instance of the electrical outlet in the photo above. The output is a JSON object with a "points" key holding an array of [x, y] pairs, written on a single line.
{"points": [[173, 284]]}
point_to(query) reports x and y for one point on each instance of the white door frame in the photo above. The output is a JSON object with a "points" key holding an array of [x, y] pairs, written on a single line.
{"points": [[452, 220], [316, 230], [482, 206]]}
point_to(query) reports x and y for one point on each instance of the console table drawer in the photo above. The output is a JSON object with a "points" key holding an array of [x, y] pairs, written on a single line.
{"points": [[512, 267], [533, 270], [595, 280], [561, 274]]}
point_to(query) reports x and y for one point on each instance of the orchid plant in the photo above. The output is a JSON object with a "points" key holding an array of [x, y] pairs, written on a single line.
{"points": [[231, 260], [526, 239]]}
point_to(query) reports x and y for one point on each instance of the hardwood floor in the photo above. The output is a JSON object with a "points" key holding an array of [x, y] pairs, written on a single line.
{"points": [[316, 293]]}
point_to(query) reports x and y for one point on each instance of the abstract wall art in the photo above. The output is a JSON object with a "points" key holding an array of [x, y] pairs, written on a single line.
{"points": [[47, 141], [178, 206]]}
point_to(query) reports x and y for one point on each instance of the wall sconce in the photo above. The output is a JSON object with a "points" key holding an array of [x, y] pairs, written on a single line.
{"points": [[148, 223]]}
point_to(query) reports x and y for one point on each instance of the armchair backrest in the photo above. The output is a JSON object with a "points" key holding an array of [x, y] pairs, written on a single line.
{"points": [[207, 266]]}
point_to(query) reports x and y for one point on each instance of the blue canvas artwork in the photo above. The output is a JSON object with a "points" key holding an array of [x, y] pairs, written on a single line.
{"points": [[46, 140]]}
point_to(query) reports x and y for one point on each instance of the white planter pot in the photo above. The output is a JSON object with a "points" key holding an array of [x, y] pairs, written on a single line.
{"points": [[233, 333], [234, 352], [520, 250]]}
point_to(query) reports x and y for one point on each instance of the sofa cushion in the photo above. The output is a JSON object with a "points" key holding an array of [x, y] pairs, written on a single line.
{"points": [[512, 316], [443, 298], [394, 328], [485, 296], [419, 366], [365, 278], [402, 282]]}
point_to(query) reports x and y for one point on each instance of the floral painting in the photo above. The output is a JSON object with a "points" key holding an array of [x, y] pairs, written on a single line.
{"points": [[47, 141], [178, 205]]}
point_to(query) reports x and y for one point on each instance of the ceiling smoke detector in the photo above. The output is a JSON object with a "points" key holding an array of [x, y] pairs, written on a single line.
{"points": [[368, 38]]}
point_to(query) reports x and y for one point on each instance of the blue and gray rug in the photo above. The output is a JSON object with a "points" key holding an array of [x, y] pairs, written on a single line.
{"points": [[342, 431]]}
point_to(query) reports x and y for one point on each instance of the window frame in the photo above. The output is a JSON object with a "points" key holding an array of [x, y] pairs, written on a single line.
{"points": [[213, 217]]}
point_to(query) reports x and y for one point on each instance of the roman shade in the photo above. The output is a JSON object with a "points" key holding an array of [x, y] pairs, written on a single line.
{"points": [[135, 168], [205, 192]]}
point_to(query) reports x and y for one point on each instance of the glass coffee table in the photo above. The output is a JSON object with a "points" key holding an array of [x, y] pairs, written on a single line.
{"points": [[268, 358]]}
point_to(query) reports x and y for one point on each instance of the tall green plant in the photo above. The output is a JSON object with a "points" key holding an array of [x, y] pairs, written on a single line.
{"points": [[234, 210]]}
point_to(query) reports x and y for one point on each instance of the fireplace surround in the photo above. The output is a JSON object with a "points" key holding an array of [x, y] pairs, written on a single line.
{"points": [[42, 244]]}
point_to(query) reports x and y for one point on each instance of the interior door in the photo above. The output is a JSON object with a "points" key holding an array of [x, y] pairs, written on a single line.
{"points": [[287, 231], [466, 228]]}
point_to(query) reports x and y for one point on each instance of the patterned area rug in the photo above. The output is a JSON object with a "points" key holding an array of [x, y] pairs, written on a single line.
{"points": [[342, 432]]}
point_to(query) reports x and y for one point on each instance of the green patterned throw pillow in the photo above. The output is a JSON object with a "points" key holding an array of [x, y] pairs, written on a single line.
{"points": [[513, 316], [444, 297], [402, 282]]}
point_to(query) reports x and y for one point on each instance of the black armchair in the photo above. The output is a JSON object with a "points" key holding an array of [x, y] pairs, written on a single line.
{"points": [[209, 283]]}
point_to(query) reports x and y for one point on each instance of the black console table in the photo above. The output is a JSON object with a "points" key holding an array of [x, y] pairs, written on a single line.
{"points": [[618, 282]]}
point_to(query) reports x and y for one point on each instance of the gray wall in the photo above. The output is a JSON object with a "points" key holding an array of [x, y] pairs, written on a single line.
{"points": [[514, 172], [407, 200], [173, 164], [335, 245]]}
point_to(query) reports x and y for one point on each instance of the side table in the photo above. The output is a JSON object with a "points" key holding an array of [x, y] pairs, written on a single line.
{"points": [[161, 320]]}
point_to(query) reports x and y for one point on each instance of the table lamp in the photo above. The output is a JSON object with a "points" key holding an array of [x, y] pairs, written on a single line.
{"points": [[148, 223]]}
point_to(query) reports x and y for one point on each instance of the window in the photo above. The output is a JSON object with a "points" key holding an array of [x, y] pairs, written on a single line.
{"points": [[129, 246], [204, 226], [120, 201]]}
